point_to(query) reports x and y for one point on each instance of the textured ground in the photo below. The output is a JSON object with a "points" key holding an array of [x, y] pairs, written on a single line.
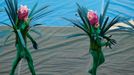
{"points": [[58, 55]]}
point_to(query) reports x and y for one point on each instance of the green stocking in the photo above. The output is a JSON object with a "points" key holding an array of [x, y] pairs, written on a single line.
{"points": [[18, 58], [98, 59], [101, 58], [30, 62], [15, 65], [95, 62]]}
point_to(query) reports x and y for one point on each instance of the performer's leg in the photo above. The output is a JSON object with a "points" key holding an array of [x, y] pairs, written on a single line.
{"points": [[30, 64], [95, 62], [101, 58], [15, 65]]}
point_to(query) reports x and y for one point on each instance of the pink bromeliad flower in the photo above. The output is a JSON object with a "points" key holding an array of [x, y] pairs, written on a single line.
{"points": [[93, 18], [23, 13]]}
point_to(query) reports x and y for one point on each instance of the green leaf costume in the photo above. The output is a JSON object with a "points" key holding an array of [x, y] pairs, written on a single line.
{"points": [[96, 35], [21, 29], [22, 50]]}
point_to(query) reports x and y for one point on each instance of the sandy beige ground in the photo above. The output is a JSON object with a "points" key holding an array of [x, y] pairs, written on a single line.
{"points": [[58, 55]]}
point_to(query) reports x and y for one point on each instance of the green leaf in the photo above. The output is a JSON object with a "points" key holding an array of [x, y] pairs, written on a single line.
{"points": [[4, 33], [33, 9], [9, 15], [36, 31], [35, 25], [130, 28], [85, 25], [11, 10], [21, 38], [37, 14], [103, 14], [6, 24], [104, 25], [8, 36], [113, 22], [16, 5], [128, 23], [77, 24], [83, 15], [40, 15], [40, 10], [126, 28]]}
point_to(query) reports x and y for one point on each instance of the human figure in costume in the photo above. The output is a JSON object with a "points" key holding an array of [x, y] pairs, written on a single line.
{"points": [[21, 22], [95, 28], [23, 52], [96, 42]]}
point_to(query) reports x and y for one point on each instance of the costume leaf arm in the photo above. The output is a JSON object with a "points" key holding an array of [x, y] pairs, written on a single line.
{"points": [[100, 43], [33, 41], [108, 38]]}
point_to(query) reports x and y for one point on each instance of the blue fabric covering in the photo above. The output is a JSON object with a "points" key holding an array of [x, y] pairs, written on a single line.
{"points": [[67, 8]]}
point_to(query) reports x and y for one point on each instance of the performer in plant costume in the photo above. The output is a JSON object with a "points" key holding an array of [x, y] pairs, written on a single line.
{"points": [[21, 21], [96, 29]]}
